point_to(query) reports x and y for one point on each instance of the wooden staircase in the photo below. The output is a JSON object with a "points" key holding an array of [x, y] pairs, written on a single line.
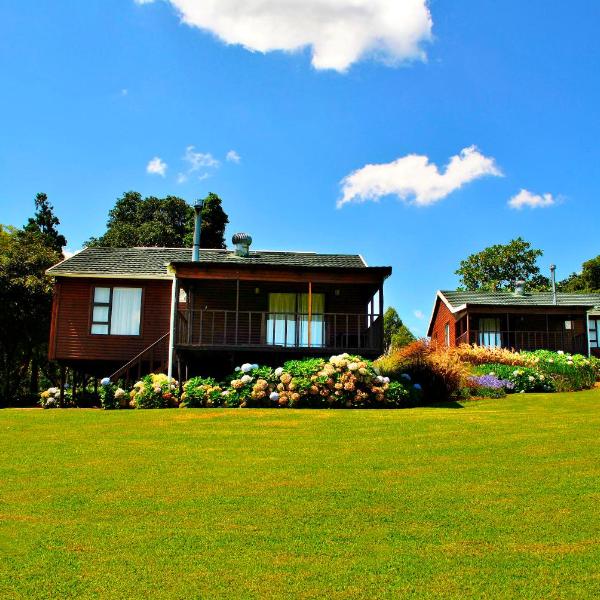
{"points": [[153, 359]]}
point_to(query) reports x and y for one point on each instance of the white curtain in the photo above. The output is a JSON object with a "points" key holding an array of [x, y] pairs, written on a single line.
{"points": [[316, 323], [126, 309], [489, 333], [281, 324]]}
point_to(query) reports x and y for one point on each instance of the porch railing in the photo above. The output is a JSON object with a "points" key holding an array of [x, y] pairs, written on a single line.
{"points": [[527, 340], [275, 330]]}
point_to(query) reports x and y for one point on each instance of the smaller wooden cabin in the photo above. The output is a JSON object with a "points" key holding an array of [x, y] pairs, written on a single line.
{"points": [[123, 312], [519, 320]]}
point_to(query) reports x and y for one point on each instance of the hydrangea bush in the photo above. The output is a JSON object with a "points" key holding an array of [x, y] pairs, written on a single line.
{"points": [[154, 391], [201, 392]]}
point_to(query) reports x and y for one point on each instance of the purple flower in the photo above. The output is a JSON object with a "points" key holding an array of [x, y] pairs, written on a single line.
{"points": [[490, 381]]}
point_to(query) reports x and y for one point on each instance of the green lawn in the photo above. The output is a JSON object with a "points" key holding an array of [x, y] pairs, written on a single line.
{"points": [[495, 499]]}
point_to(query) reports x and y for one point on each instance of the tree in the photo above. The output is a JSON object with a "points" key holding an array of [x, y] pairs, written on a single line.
{"points": [[214, 220], [26, 298], [162, 222], [586, 281], [499, 266], [395, 333], [45, 222]]}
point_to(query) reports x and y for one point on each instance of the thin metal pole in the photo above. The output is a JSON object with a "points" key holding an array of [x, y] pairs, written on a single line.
{"points": [[174, 288]]}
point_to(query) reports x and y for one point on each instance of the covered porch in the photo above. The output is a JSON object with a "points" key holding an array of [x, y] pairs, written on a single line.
{"points": [[524, 329], [268, 311]]}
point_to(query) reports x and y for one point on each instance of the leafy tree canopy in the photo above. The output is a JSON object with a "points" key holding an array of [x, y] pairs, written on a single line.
{"points": [[395, 333], [162, 222], [499, 266], [586, 281]]}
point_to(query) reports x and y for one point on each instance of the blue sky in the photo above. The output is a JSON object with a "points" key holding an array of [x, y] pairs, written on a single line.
{"points": [[93, 91]]}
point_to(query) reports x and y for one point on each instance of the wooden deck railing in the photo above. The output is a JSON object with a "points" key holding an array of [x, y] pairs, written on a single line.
{"points": [[270, 330], [526, 340]]}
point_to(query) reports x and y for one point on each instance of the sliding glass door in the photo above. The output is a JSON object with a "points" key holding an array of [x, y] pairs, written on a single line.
{"points": [[288, 320]]}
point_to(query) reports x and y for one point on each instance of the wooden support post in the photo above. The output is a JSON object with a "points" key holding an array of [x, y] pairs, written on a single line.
{"points": [[63, 374], [309, 313], [237, 308], [381, 313]]}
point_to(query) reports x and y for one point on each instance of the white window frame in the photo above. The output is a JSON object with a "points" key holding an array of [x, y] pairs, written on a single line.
{"points": [[109, 305]]}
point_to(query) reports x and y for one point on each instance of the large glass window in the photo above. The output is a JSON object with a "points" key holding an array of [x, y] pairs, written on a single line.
{"points": [[489, 332], [287, 324], [116, 311]]}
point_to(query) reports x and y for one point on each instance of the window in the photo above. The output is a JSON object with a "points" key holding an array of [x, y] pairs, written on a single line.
{"points": [[287, 324], [489, 333], [116, 311], [593, 333], [447, 334], [569, 325]]}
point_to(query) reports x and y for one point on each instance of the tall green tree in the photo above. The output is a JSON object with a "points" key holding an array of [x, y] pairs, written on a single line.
{"points": [[162, 222], [499, 266], [26, 299], [395, 333], [586, 281], [45, 222], [214, 221]]}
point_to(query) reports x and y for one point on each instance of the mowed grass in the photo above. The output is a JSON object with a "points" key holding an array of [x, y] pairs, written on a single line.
{"points": [[494, 499]]}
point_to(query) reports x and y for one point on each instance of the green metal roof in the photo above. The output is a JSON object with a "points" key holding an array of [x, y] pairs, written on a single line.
{"points": [[458, 298], [151, 262]]}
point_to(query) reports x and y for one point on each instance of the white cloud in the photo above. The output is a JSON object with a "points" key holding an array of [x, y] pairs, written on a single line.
{"points": [[233, 156], [181, 177], [69, 253], [419, 314], [338, 32], [197, 160], [413, 178], [527, 198], [157, 167]]}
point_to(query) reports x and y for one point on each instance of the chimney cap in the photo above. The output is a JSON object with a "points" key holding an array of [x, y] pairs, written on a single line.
{"points": [[241, 238], [519, 287]]}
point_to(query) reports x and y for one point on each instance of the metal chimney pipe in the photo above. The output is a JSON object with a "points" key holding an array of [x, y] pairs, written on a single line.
{"points": [[197, 227], [553, 277]]}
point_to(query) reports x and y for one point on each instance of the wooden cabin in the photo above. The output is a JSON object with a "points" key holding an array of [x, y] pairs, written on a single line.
{"points": [[124, 312], [519, 320]]}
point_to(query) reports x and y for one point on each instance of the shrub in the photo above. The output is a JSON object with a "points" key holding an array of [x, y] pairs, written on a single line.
{"points": [[154, 391], [112, 396], [50, 398], [200, 392], [595, 362], [568, 372], [250, 386], [480, 355], [523, 379], [342, 381], [401, 395], [439, 372]]}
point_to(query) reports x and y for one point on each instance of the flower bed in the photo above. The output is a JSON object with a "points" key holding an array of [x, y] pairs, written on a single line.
{"points": [[517, 379], [414, 375]]}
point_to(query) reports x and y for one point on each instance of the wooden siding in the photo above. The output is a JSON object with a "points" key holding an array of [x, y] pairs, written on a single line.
{"points": [[443, 315], [71, 320]]}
